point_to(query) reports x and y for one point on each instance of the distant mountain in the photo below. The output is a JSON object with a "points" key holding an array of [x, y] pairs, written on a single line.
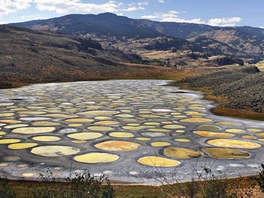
{"points": [[106, 24], [243, 42], [189, 30]]}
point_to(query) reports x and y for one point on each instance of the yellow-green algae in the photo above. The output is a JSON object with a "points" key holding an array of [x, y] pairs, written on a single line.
{"points": [[10, 121], [226, 153], [12, 158], [45, 138], [6, 114], [45, 124], [158, 161], [213, 134], [13, 126], [107, 123], [93, 158], [152, 123], [249, 137], [28, 174], [79, 120], [235, 131], [9, 141], [193, 113], [255, 130], [227, 123], [196, 120], [228, 143], [75, 125], [180, 131], [133, 124], [117, 146], [261, 135], [85, 135], [121, 135], [125, 115], [59, 115], [22, 165], [19, 146], [208, 128], [32, 112], [79, 141], [103, 118], [100, 128], [181, 153], [34, 130], [143, 139], [134, 128], [174, 126], [160, 144], [183, 140], [159, 130], [54, 151], [3, 164], [96, 113]]}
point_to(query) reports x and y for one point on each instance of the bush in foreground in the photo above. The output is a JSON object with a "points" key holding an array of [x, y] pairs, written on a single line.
{"points": [[80, 186]]}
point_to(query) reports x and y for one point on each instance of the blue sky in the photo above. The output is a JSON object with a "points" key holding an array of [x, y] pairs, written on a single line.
{"points": [[212, 12]]}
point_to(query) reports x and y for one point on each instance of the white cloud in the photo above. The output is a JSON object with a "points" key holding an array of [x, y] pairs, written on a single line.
{"points": [[224, 22], [171, 16], [63, 7], [76, 6], [33, 17], [132, 7], [143, 3], [162, 1], [9, 7]]}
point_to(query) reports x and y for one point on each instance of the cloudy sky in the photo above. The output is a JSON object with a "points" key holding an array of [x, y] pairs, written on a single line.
{"points": [[212, 12]]}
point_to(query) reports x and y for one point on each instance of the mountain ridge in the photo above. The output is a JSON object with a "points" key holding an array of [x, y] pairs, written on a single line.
{"points": [[128, 34]]}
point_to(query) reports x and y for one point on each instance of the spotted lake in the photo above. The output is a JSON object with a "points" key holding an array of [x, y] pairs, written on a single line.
{"points": [[129, 130]]}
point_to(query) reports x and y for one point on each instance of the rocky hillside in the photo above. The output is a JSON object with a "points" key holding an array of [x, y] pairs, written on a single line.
{"points": [[245, 40], [31, 56]]}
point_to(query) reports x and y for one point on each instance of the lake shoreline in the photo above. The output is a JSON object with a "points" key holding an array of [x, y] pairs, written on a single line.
{"points": [[237, 90], [220, 109]]}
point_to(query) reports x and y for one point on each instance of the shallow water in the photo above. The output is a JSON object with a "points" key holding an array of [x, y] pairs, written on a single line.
{"points": [[130, 130]]}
